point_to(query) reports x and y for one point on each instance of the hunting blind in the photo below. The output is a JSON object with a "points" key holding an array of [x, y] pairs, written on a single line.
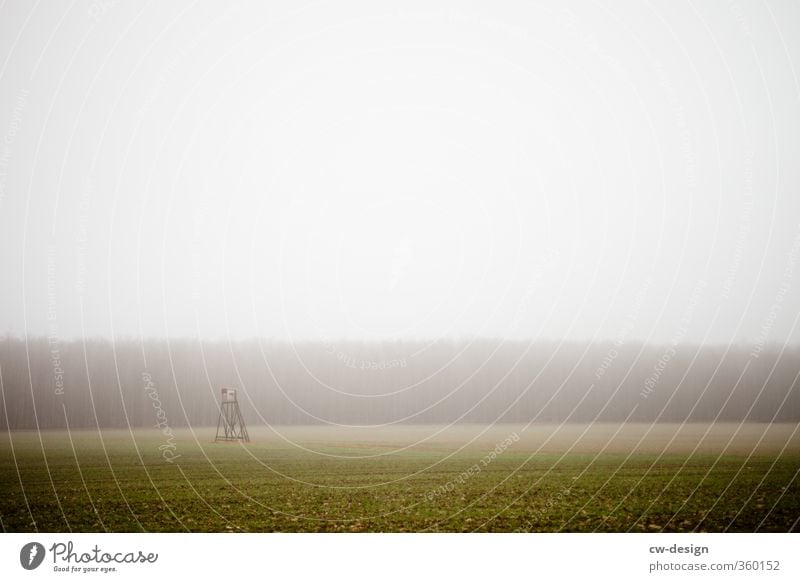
{"points": [[230, 426]]}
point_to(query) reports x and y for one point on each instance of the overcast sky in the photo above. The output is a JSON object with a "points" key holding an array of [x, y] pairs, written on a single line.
{"points": [[372, 170]]}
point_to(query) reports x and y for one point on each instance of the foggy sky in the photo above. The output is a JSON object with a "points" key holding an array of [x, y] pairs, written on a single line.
{"points": [[373, 170]]}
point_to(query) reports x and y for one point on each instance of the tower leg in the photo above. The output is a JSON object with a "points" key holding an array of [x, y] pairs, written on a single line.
{"points": [[232, 423]]}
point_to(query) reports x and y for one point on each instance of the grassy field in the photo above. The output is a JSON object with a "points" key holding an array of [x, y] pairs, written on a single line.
{"points": [[467, 478]]}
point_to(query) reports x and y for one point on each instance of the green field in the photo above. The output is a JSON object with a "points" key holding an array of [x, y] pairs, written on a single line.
{"points": [[573, 478]]}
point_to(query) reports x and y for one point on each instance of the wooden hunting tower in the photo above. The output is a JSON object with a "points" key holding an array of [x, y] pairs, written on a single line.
{"points": [[230, 426]]}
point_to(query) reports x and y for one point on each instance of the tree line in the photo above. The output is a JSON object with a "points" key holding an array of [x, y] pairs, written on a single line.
{"points": [[91, 383]]}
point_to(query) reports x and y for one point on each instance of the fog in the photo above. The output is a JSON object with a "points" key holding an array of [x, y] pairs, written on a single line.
{"points": [[381, 213], [376, 171]]}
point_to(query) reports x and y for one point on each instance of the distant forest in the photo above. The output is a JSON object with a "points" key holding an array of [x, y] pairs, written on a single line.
{"points": [[100, 383]]}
